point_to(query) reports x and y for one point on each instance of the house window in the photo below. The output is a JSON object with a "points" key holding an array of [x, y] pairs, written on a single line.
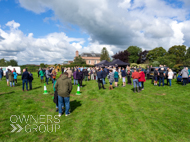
{"points": [[89, 61], [95, 62]]}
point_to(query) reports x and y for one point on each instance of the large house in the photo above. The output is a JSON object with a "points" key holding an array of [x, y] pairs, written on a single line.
{"points": [[91, 58]]}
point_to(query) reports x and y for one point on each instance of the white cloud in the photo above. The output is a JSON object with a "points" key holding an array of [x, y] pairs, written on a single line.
{"points": [[114, 24], [52, 48]]}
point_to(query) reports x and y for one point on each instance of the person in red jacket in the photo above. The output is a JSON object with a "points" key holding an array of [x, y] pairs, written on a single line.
{"points": [[141, 79], [135, 76]]}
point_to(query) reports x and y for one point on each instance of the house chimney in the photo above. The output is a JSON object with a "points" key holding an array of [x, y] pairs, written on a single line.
{"points": [[77, 53]]}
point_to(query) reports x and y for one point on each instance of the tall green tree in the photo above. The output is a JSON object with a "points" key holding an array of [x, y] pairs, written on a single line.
{"points": [[104, 54], [12, 62], [155, 53], [79, 61], [168, 60], [188, 54], [179, 51], [3, 62], [134, 53], [42, 65]]}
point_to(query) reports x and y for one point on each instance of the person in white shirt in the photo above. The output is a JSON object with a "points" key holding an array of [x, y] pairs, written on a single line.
{"points": [[170, 76]]}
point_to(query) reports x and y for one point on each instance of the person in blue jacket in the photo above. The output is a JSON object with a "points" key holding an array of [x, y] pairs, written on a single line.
{"points": [[100, 77], [15, 77]]}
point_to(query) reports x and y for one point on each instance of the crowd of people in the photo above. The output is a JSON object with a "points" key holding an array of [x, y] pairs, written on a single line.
{"points": [[62, 85]]}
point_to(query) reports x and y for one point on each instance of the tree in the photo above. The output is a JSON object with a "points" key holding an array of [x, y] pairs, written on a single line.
{"points": [[142, 57], [79, 60], [168, 60], [42, 65], [134, 53], [104, 54], [155, 64], [3, 62], [188, 53], [179, 51], [155, 53], [122, 55], [12, 62]]}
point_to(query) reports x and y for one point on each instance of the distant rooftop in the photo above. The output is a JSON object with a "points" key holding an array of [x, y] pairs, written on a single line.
{"points": [[92, 54]]}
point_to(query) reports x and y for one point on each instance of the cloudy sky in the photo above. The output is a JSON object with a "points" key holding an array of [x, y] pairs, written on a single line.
{"points": [[50, 31]]}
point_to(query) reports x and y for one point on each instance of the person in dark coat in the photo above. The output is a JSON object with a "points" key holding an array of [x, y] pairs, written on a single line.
{"points": [[62, 69], [25, 77], [85, 75], [75, 77], [79, 75], [100, 77], [148, 73], [30, 78], [104, 74], [7, 76]]}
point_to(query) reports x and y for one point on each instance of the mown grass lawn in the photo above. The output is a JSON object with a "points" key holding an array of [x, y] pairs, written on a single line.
{"points": [[155, 114]]}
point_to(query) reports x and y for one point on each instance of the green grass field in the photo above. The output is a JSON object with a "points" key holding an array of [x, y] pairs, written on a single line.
{"points": [[155, 114]]}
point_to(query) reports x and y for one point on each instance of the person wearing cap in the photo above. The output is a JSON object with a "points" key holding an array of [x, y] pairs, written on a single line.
{"points": [[135, 76], [161, 76], [111, 79]]}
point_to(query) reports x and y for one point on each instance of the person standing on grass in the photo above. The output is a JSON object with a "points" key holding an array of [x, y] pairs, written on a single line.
{"points": [[116, 77], [75, 77], [48, 75], [11, 78], [15, 76], [129, 73], [7, 77], [30, 78], [111, 79], [55, 100], [104, 75], [170, 76], [135, 76], [161, 76], [1, 74], [148, 72], [64, 93], [100, 77], [141, 78], [166, 74], [62, 69], [85, 74], [41, 73], [25, 77], [156, 73], [69, 71], [53, 75], [79, 76], [185, 76], [123, 74], [188, 75], [119, 71]]}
